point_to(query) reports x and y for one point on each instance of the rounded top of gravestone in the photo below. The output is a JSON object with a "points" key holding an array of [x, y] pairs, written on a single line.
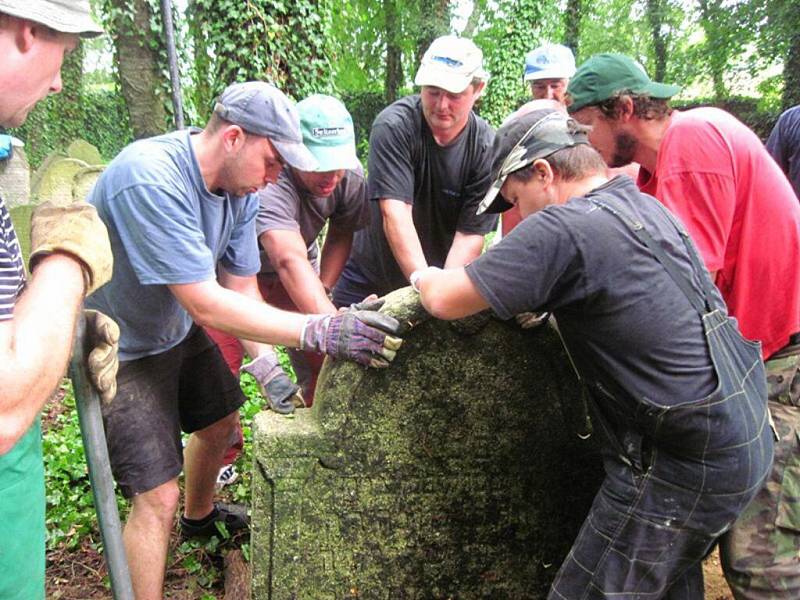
{"points": [[55, 183], [83, 150], [84, 181]]}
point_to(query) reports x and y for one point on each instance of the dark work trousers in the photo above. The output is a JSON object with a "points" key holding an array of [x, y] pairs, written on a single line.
{"points": [[677, 476]]}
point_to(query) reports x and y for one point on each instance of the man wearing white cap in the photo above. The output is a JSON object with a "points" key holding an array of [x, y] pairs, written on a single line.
{"points": [[180, 210], [70, 258], [428, 168], [548, 69], [291, 215]]}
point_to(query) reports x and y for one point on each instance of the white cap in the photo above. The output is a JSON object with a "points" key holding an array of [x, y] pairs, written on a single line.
{"points": [[551, 61], [451, 63]]}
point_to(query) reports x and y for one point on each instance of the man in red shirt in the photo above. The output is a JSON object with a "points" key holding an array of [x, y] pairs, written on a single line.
{"points": [[714, 173]]}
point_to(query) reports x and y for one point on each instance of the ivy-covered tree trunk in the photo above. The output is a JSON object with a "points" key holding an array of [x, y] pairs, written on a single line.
{"points": [[137, 61], [394, 55], [654, 10], [572, 24], [478, 7], [434, 22]]}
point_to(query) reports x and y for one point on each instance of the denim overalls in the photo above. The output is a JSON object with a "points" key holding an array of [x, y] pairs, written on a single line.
{"points": [[677, 476]]}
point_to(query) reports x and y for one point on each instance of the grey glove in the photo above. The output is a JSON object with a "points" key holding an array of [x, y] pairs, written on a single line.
{"points": [[103, 362], [282, 394], [359, 335]]}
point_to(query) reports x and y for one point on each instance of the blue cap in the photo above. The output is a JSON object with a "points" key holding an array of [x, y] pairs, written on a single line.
{"points": [[551, 61], [262, 109]]}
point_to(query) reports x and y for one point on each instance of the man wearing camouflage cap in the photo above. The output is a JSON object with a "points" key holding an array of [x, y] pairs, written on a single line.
{"points": [[715, 174], [70, 257], [180, 210]]}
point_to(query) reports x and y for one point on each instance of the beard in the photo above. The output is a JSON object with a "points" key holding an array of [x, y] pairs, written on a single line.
{"points": [[624, 150]]}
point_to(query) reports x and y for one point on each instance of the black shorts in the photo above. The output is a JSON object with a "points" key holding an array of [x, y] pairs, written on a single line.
{"points": [[188, 387]]}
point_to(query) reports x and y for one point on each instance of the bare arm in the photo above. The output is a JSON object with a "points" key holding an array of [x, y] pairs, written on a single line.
{"points": [[36, 343], [335, 253], [398, 225], [246, 286], [449, 294], [210, 304], [288, 254], [465, 248]]}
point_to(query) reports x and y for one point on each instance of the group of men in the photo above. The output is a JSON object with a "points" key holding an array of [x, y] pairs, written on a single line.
{"points": [[204, 226]]}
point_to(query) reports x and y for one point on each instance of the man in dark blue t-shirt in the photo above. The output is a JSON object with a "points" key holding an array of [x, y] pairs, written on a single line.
{"points": [[677, 395], [784, 145]]}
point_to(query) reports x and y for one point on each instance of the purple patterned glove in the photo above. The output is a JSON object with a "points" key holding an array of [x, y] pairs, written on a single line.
{"points": [[359, 335], [282, 394]]}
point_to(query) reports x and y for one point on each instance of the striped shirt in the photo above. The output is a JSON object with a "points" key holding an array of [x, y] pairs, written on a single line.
{"points": [[12, 273]]}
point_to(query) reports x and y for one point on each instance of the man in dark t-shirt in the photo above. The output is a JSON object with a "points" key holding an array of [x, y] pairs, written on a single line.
{"points": [[678, 397], [428, 168], [784, 145]]}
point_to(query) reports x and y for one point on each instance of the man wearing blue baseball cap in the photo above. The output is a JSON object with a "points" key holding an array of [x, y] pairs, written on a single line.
{"points": [[180, 210], [292, 213], [548, 69], [428, 168]]}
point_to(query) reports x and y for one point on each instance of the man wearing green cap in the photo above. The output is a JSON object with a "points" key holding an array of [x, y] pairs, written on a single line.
{"points": [[70, 258], [292, 213], [715, 174], [677, 396]]}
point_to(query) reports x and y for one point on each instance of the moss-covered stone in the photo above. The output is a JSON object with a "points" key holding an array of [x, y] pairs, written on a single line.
{"points": [[83, 182], [456, 473], [83, 150], [55, 184]]}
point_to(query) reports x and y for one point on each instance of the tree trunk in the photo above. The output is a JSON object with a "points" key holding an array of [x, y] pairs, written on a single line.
{"points": [[138, 66], [434, 21], [572, 24], [655, 16], [791, 73], [394, 55], [474, 19]]}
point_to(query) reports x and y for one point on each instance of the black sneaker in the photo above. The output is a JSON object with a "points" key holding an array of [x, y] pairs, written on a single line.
{"points": [[232, 516]]}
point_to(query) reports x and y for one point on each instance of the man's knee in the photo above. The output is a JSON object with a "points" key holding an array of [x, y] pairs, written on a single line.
{"points": [[159, 503], [220, 432]]}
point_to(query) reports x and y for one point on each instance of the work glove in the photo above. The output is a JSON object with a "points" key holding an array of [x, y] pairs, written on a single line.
{"points": [[102, 334], [359, 335], [77, 230], [531, 320], [282, 394]]}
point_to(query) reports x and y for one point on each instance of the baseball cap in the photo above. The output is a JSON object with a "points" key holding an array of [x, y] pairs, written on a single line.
{"points": [[451, 63], [603, 75], [328, 133], [518, 143], [262, 109], [551, 61], [66, 16]]}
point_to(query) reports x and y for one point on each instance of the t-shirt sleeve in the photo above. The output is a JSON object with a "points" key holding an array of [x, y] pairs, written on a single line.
{"points": [[536, 267], [241, 257], [699, 188], [277, 209], [775, 145], [474, 191], [352, 212], [162, 238], [390, 163]]}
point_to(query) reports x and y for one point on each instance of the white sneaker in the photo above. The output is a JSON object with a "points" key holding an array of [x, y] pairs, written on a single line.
{"points": [[227, 475]]}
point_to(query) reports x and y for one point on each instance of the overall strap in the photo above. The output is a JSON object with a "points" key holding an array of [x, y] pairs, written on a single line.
{"points": [[702, 304]]}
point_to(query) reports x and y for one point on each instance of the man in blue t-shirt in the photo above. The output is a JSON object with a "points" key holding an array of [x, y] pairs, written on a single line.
{"points": [[70, 257], [784, 145], [678, 397], [180, 210]]}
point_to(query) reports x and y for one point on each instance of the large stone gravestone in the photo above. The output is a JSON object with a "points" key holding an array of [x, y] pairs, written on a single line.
{"points": [[462, 471], [15, 178], [55, 183]]}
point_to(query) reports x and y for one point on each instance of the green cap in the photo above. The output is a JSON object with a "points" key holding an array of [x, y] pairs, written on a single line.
{"points": [[327, 130], [603, 75]]}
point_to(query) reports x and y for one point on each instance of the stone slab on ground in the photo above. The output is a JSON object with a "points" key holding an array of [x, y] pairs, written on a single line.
{"points": [[456, 473]]}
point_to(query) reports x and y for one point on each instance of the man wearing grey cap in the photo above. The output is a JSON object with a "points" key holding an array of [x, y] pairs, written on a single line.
{"points": [[677, 396], [180, 210], [70, 257], [428, 168]]}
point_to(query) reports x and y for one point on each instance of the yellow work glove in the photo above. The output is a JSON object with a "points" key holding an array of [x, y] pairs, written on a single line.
{"points": [[102, 334], [77, 230]]}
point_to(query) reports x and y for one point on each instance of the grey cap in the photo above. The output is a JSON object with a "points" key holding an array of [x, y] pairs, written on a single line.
{"points": [[262, 109], [521, 141], [66, 16]]}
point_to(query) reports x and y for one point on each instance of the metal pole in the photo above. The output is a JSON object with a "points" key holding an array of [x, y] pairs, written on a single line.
{"points": [[87, 401], [172, 59]]}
